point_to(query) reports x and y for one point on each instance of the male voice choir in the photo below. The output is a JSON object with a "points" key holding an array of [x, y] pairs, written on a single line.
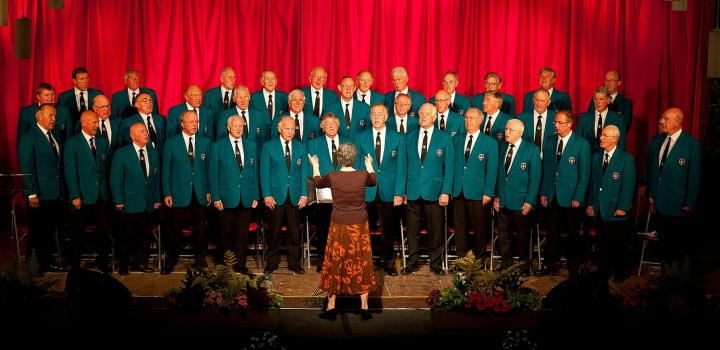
{"points": [[227, 155]]}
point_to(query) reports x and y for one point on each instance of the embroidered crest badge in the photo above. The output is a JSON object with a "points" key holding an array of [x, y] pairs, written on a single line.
{"points": [[523, 166], [571, 160], [439, 153], [681, 161], [481, 157], [203, 156], [252, 161], [362, 124], [299, 162], [615, 175], [393, 154]]}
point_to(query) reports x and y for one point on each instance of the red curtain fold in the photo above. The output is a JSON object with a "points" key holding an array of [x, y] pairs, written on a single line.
{"points": [[660, 52]]}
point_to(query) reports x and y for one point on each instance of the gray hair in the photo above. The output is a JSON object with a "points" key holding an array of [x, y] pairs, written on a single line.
{"points": [[603, 90], [346, 154]]}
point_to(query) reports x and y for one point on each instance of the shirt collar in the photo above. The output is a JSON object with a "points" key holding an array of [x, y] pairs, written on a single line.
{"points": [[44, 131], [611, 152], [87, 137]]}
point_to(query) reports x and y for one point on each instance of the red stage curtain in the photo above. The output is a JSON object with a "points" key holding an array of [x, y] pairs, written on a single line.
{"points": [[660, 53]]}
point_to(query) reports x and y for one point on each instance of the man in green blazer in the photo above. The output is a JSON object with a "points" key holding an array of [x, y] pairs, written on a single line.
{"points": [[268, 99], [591, 124], [566, 174], [319, 98], [87, 164], [364, 82], [123, 101], [400, 80], [305, 128], [538, 123], [193, 102], [388, 151], [45, 93], [108, 128], [430, 167], [219, 98], [493, 82], [559, 100], [402, 119], [256, 120], [474, 184], [324, 148], [40, 155], [283, 173], [79, 98], [519, 171], [672, 174], [458, 103], [353, 117], [610, 197], [447, 120], [234, 185], [135, 188], [153, 121], [618, 103], [185, 188], [495, 119]]}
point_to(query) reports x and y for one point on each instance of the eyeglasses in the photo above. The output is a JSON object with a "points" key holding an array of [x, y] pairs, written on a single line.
{"points": [[559, 123], [442, 99], [105, 106], [510, 130]]}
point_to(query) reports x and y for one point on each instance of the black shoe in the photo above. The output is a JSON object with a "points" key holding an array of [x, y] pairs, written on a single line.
{"points": [[123, 271], [54, 268], [105, 268], [318, 269], [328, 314], [390, 271], [269, 270], [365, 315], [407, 270], [297, 269], [437, 271]]}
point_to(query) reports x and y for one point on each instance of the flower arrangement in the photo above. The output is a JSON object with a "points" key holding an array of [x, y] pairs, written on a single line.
{"points": [[477, 290], [219, 287]]}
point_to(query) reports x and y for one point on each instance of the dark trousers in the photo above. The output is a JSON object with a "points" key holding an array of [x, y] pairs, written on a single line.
{"points": [[43, 222], [135, 239], [321, 218], [672, 234], [99, 214], [193, 214], [433, 214], [234, 225], [469, 214], [389, 227], [509, 221], [612, 248], [559, 219], [291, 214]]}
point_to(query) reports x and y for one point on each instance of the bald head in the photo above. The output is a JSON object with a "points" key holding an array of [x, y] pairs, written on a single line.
{"points": [[609, 137], [442, 101], [318, 77], [193, 96], [89, 122], [139, 134], [101, 106], [514, 130], [227, 78], [671, 121]]}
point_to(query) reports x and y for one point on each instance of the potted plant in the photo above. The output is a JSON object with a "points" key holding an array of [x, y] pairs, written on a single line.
{"points": [[217, 297], [483, 299]]}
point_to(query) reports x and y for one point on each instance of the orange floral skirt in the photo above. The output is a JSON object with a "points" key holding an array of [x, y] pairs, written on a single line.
{"points": [[348, 265]]}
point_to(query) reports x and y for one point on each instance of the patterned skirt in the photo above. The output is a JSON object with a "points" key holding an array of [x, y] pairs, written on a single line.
{"points": [[348, 265]]}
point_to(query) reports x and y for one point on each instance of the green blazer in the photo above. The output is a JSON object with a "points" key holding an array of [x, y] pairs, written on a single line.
{"points": [[559, 100], [476, 177], [280, 103], [86, 176], [275, 178], [206, 125], [129, 185], [63, 126], [621, 105], [568, 180], [36, 157], [310, 129], [428, 180], [498, 127], [391, 171], [678, 184], [454, 123], [258, 130], [375, 97], [227, 183], [615, 189], [586, 128], [158, 122], [318, 146], [522, 182], [529, 123], [416, 99], [359, 122], [121, 107], [179, 178], [507, 107], [329, 98], [460, 106], [214, 100], [67, 99], [412, 123]]}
